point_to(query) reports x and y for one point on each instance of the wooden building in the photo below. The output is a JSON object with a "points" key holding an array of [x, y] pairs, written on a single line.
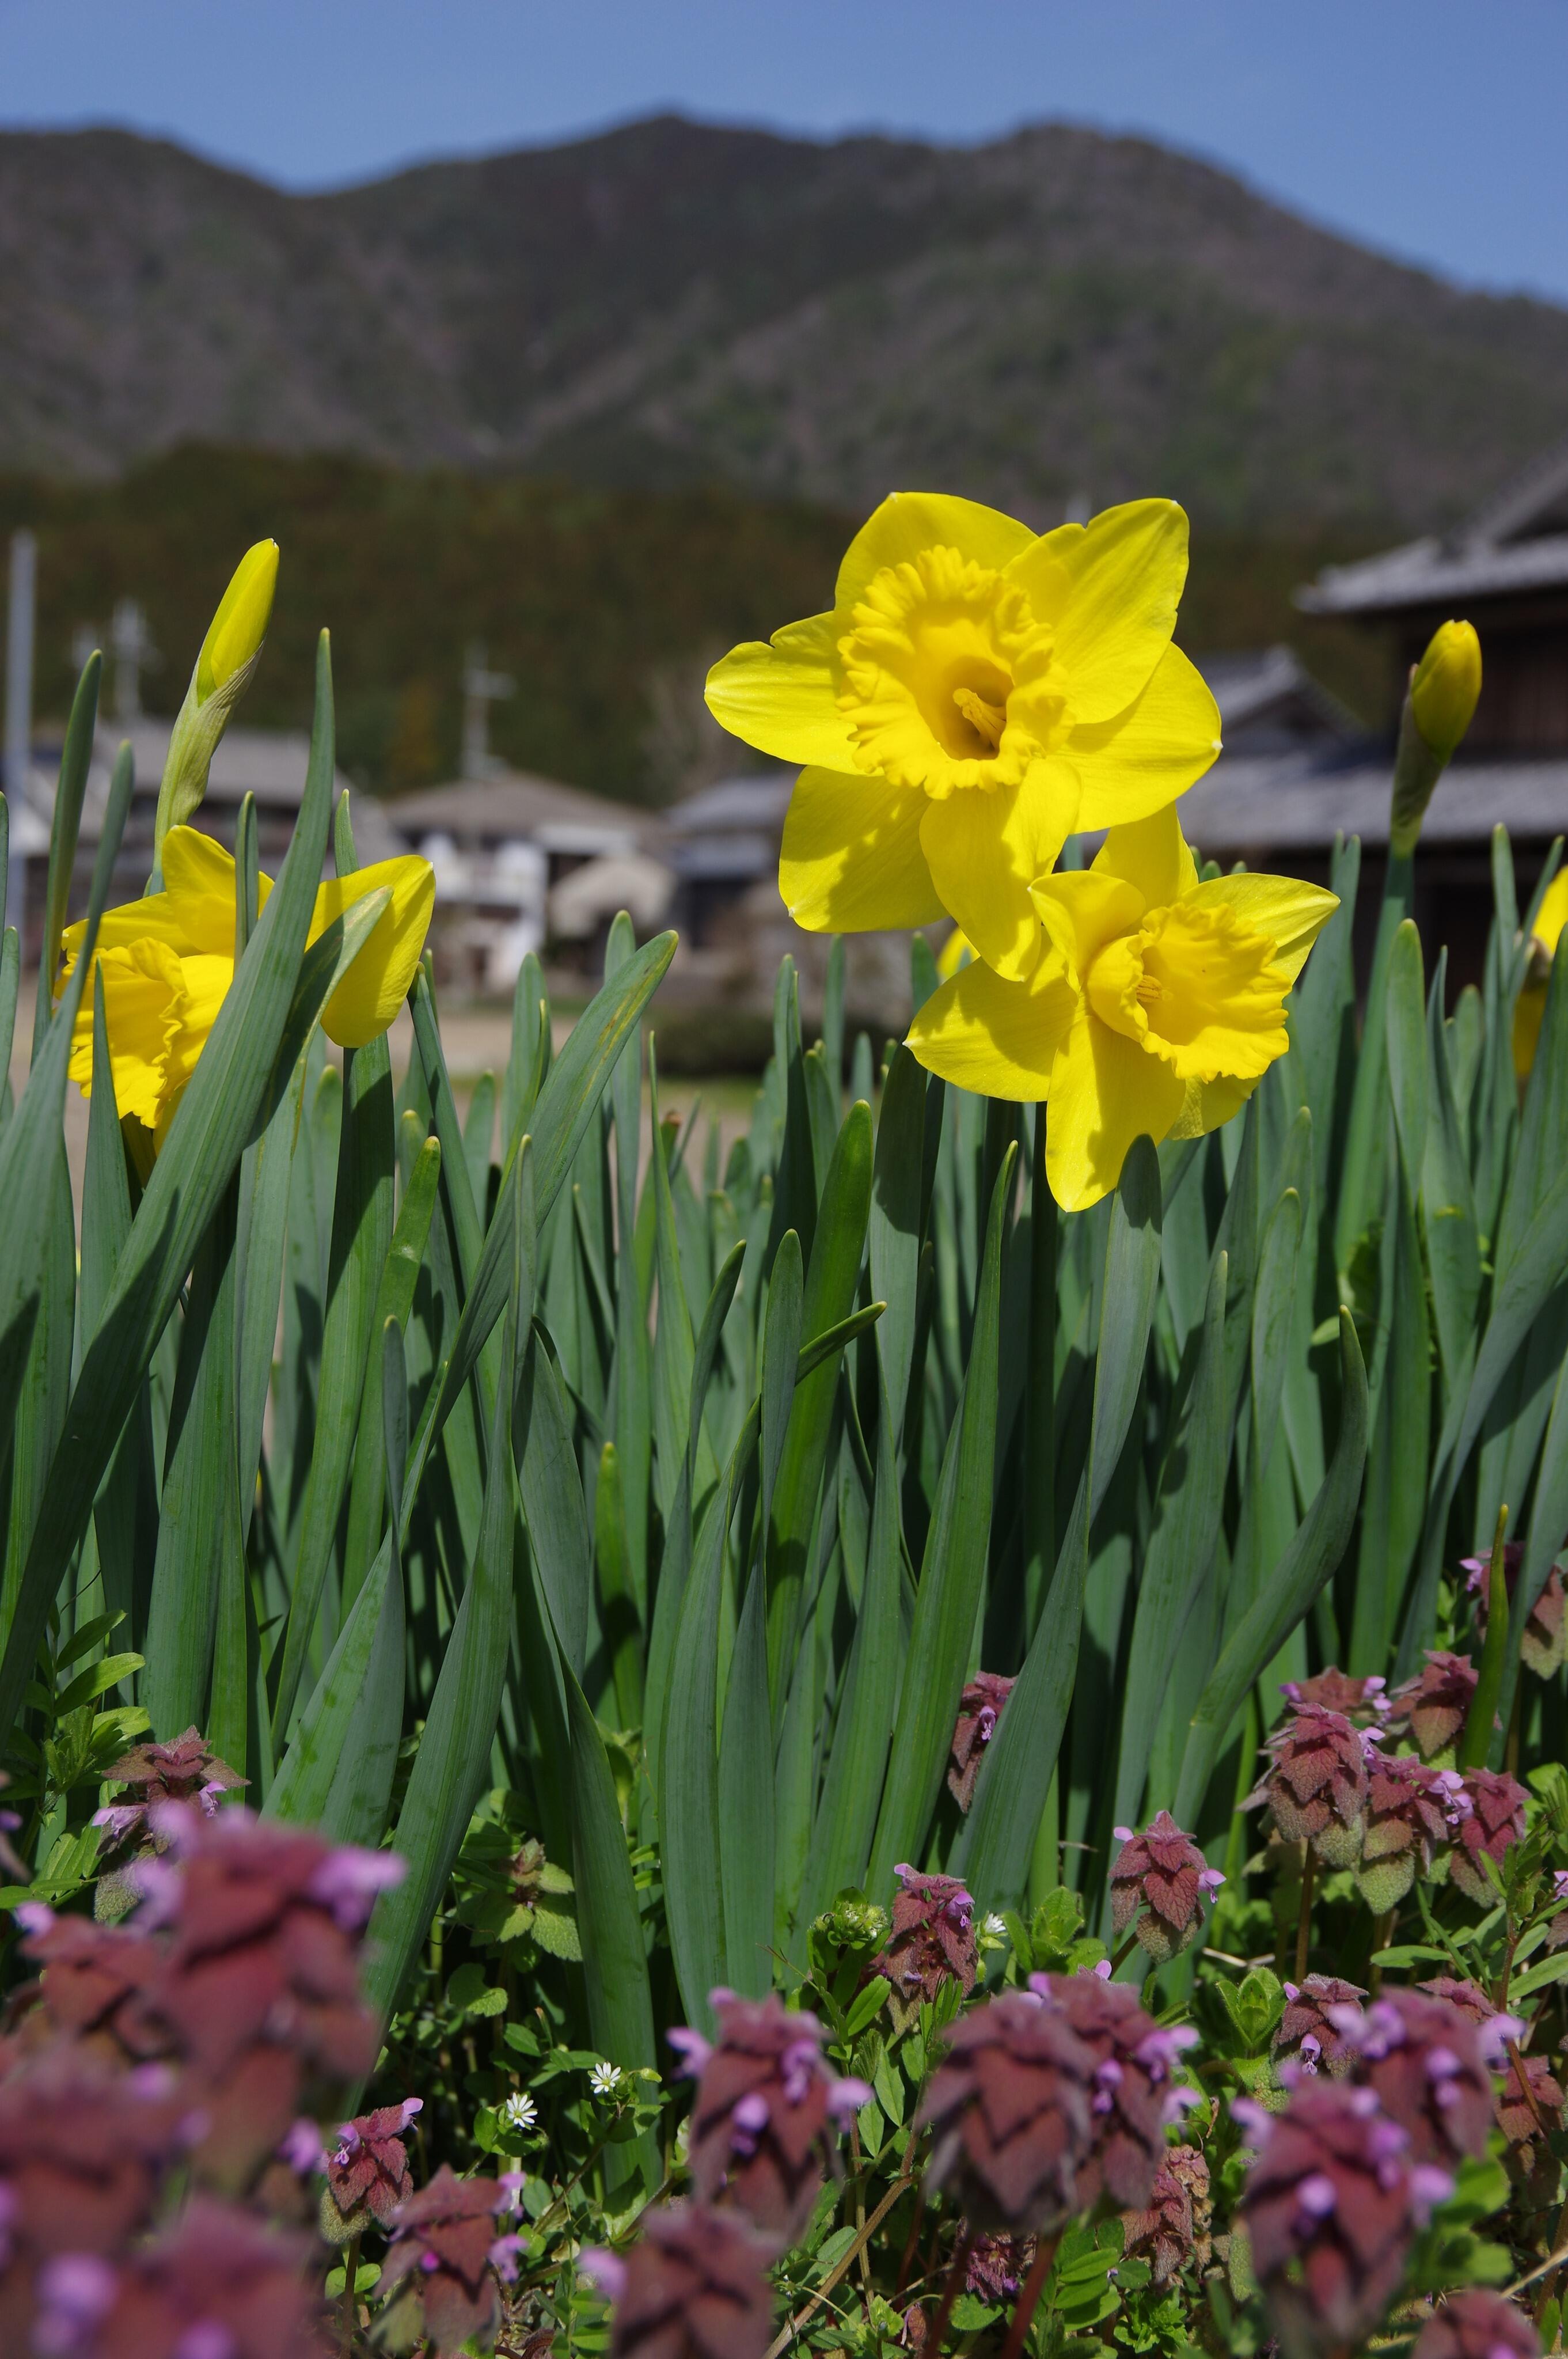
{"points": [[1276, 799]]}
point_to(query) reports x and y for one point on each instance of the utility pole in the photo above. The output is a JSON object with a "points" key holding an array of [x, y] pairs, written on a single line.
{"points": [[132, 649], [482, 687], [19, 720]]}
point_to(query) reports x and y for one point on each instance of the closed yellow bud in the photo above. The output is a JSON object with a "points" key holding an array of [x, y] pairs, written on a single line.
{"points": [[227, 659], [1446, 686], [238, 627]]}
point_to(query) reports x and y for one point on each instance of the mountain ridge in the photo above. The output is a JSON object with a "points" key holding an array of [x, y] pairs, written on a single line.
{"points": [[1055, 316]]}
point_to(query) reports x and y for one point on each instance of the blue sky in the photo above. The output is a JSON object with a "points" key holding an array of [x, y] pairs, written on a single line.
{"points": [[1435, 131]]}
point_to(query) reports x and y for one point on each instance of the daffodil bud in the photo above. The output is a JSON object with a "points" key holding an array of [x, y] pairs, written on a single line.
{"points": [[230, 653], [235, 634], [1446, 686], [1439, 706]]}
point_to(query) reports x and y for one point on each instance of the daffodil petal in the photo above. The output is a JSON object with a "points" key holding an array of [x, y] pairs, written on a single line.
{"points": [[782, 695], [908, 522], [851, 860], [143, 996], [1529, 1014], [1207, 1104], [986, 850], [1148, 755], [377, 985], [996, 1038], [1291, 915], [1082, 909], [1125, 570], [1552, 914], [199, 885], [1105, 1092], [1151, 855]]}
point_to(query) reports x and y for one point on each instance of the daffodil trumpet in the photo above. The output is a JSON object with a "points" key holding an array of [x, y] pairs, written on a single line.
{"points": [[168, 961], [977, 692], [228, 658], [1156, 1006]]}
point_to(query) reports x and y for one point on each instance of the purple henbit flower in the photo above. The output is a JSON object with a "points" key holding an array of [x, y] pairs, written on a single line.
{"points": [[932, 1942], [349, 1880], [692, 2049], [1544, 1638], [1131, 2103], [72, 2290], [1316, 1785], [1158, 1882], [1173, 2227], [1362, 1701], [1476, 2323], [765, 2113], [368, 2174], [1426, 2062], [1409, 1824], [1306, 2035], [605, 2271], [997, 2266], [442, 2242], [1437, 1703], [980, 1709], [1331, 2205], [1530, 2115], [748, 2120], [695, 2285], [1494, 1821], [217, 2283], [301, 2148], [1012, 2108], [184, 1771], [258, 1992]]}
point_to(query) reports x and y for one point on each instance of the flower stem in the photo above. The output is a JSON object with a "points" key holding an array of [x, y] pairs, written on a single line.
{"points": [[951, 2289], [1124, 1951], [1029, 2299], [350, 2303], [1303, 1922]]}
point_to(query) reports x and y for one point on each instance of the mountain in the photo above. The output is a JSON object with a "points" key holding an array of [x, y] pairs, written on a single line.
{"points": [[1056, 316]]}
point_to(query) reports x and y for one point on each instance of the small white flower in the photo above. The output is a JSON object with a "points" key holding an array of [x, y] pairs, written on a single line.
{"points": [[605, 2080], [995, 1928], [520, 2112]]}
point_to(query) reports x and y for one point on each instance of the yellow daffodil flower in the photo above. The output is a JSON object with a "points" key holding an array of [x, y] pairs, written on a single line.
{"points": [[1158, 1005], [976, 693], [1530, 1007], [168, 963]]}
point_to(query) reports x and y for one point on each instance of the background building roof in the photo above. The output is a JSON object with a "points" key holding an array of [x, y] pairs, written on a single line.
{"points": [[514, 804], [1515, 541]]}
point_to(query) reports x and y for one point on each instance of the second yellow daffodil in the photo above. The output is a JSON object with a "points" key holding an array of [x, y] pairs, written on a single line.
{"points": [[1157, 1007], [167, 961], [977, 692], [1530, 1007]]}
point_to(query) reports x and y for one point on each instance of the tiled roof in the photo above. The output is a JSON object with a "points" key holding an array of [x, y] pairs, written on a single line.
{"points": [[1516, 541], [1296, 802]]}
